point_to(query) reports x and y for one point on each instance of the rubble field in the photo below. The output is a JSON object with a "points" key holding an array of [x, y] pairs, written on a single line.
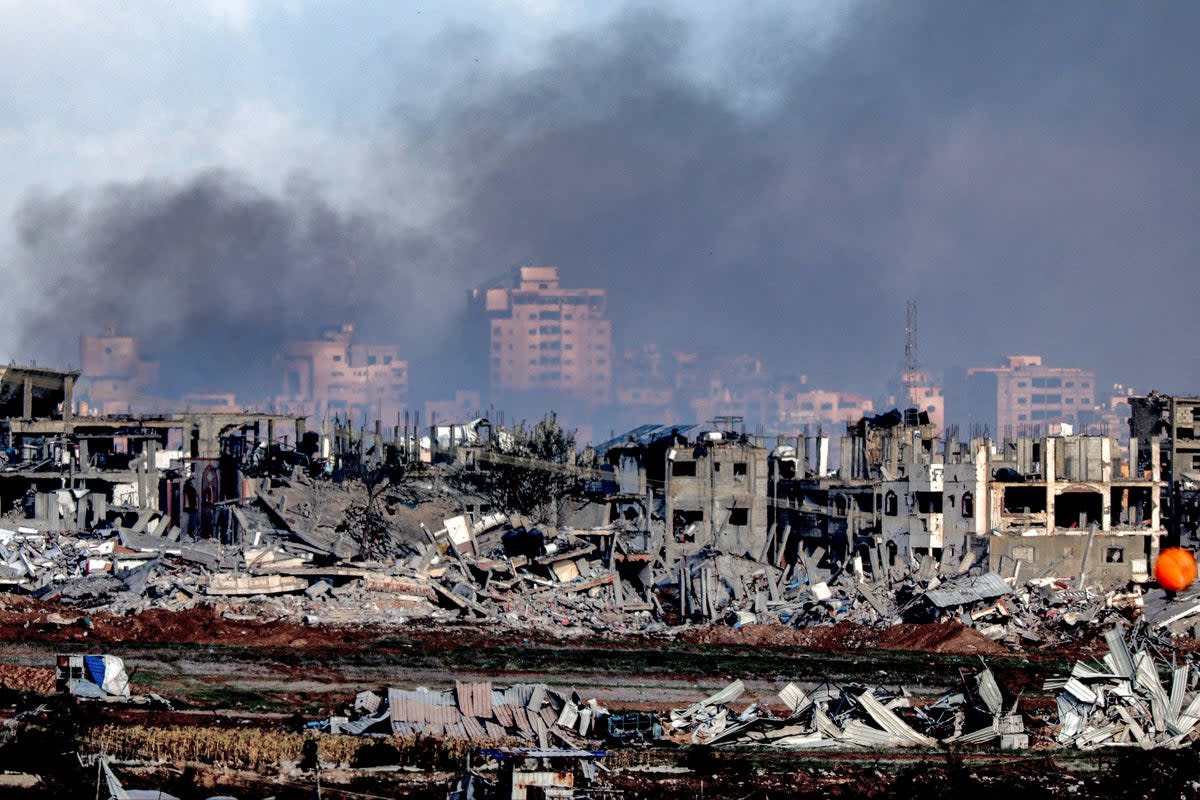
{"points": [[371, 623], [225, 672]]}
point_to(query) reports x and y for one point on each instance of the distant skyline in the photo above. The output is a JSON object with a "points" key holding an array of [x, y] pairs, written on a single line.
{"points": [[765, 177]]}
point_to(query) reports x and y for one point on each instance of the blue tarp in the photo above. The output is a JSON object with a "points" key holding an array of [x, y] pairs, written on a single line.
{"points": [[95, 669]]}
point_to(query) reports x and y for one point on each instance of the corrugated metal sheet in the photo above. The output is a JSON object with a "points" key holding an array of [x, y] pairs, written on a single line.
{"points": [[474, 699], [519, 694], [360, 726], [864, 735], [981, 736], [521, 720], [968, 589], [794, 697], [1147, 678], [422, 707], [503, 714], [825, 725], [473, 727], [1188, 718], [1097, 735], [891, 723], [805, 741], [989, 692], [1179, 682], [552, 784], [1122, 660], [1080, 691], [1087, 672], [643, 435]]}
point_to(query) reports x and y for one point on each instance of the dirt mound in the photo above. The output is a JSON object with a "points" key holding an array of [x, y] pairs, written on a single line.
{"points": [[27, 679], [199, 625], [950, 638]]}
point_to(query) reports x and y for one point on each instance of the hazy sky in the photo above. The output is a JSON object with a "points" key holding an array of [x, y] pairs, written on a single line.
{"points": [[770, 177]]}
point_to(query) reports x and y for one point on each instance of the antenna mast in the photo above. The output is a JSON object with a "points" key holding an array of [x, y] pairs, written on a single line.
{"points": [[911, 361]]}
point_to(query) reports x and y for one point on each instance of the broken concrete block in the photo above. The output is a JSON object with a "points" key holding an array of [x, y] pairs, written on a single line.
{"points": [[318, 589]]}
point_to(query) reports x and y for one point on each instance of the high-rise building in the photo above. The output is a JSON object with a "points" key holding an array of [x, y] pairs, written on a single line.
{"points": [[548, 339], [1026, 396], [336, 375]]}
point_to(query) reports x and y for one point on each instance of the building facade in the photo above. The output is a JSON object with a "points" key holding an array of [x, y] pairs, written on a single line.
{"points": [[549, 339], [114, 377], [1025, 395], [335, 375]]}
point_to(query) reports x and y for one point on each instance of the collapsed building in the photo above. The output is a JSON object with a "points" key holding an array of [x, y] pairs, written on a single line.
{"points": [[1172, 419], [1068, 505], [75, 469], [663, 523]]}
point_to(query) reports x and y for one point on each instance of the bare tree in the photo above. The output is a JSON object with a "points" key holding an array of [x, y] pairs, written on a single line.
{"points": [[532, 476]]}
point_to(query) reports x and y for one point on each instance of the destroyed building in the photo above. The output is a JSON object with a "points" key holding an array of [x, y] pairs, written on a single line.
{"points": [[1066, 503], [1171, 419], [68, 472], [711, 487]]}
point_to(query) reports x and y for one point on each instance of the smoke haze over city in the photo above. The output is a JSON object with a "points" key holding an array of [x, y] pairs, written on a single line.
{"points": [[776, 181]]}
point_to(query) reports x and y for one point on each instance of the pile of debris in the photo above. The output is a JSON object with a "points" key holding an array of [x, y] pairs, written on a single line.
{"points": [[294, 551], [849, 717], [1041, 611], [1122, 701], [822, 717], [476, 711]]}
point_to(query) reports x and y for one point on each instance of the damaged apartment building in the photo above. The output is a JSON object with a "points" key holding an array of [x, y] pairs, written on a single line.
{"points": [[64, 471], [709, 484], [1061, 505], [1173, 419]]}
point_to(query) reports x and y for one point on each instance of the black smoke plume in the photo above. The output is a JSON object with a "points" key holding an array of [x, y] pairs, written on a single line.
{"points": [[1026, 171]]}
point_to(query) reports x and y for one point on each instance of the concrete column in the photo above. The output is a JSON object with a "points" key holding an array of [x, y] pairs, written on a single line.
{"points": [[99, 503], [669, 546], [981, 493], [68, 397], [1048, 460], [27, 398], [143, 491], [1156, 476]]}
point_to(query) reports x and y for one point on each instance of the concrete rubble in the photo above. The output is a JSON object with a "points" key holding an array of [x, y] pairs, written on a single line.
{"points": [[823, 716], [504, 569], [660, 527]]}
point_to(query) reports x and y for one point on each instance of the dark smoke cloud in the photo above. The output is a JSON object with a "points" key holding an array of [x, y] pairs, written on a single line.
{"points": [[211, 273], [1027, 171]]}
